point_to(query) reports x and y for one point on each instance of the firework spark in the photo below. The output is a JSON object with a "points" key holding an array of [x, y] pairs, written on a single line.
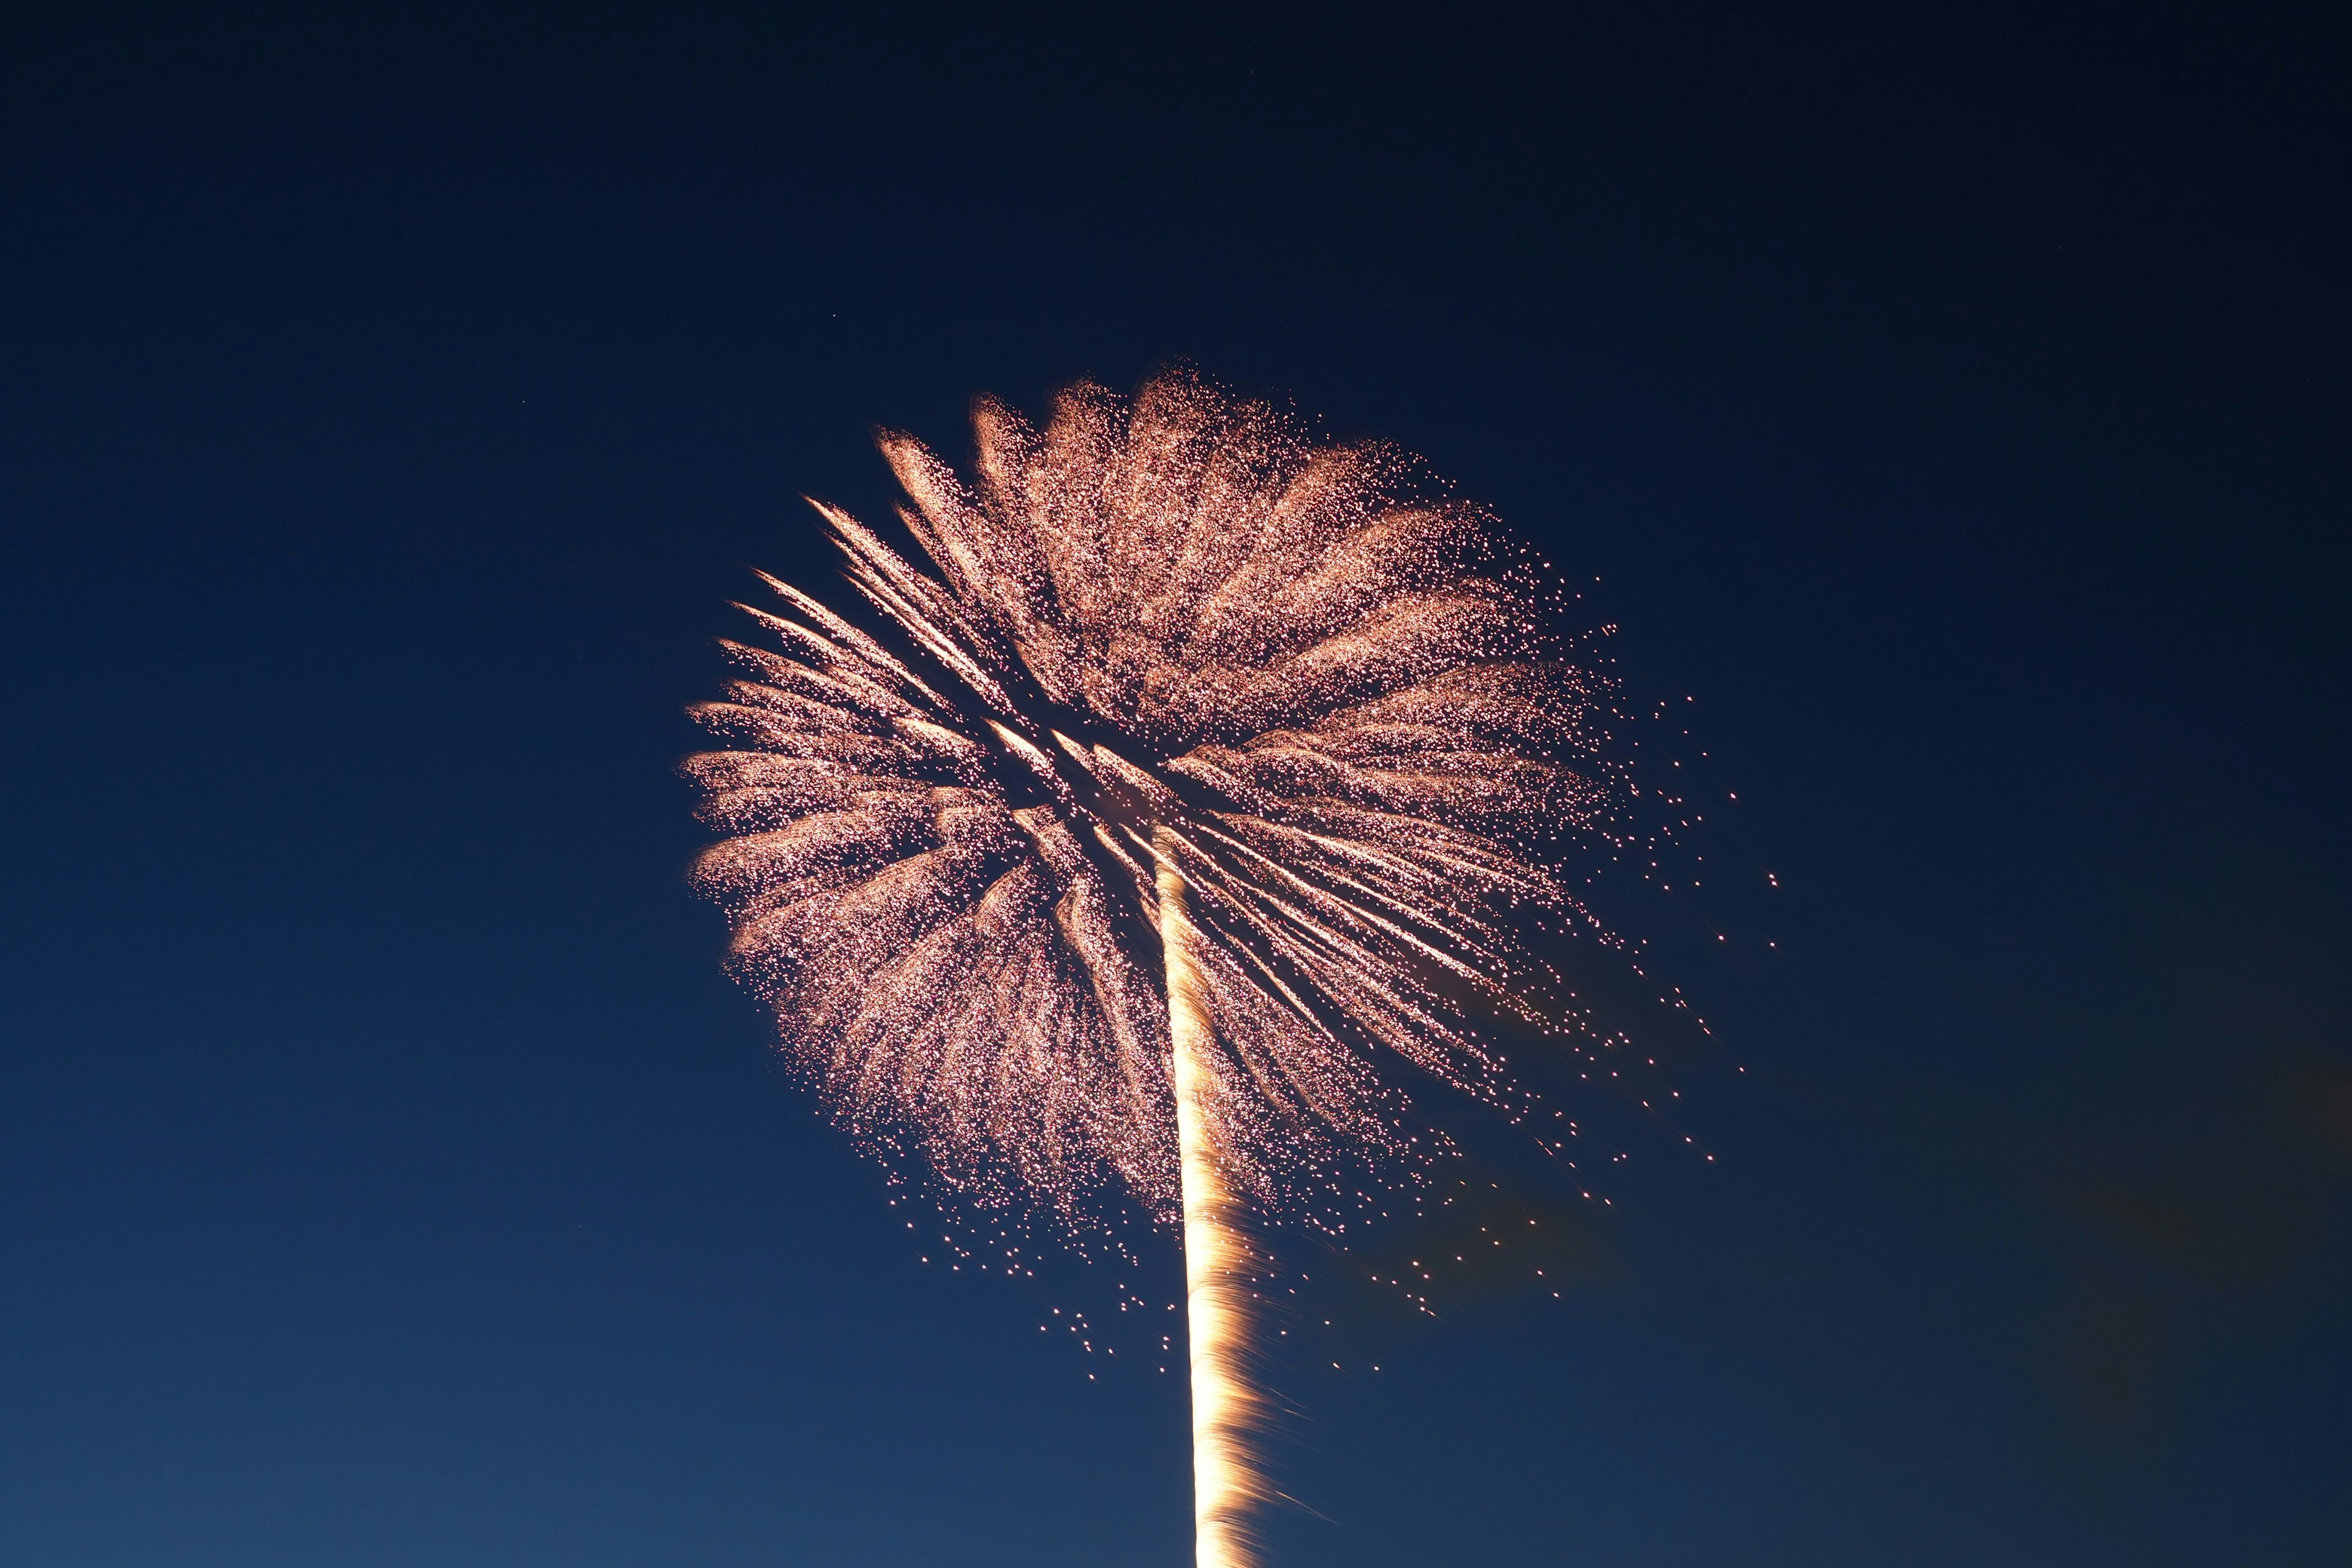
{"points": [[1214, 771]]}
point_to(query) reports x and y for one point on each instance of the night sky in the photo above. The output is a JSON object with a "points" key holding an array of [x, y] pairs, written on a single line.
{"points": [[391, 400]]}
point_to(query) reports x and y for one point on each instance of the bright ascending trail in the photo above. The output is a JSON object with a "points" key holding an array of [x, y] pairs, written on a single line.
{"points": [[1226, 1406], [1207, 774]]}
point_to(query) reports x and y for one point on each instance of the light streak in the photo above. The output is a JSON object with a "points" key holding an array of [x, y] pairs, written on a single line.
{"points": [[1227, 1408]]}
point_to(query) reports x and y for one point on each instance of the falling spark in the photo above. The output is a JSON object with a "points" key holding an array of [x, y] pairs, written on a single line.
{"points": [[1209, 774]]}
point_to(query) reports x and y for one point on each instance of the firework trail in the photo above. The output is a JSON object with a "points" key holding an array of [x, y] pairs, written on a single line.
{"points": [[1208, 774]]}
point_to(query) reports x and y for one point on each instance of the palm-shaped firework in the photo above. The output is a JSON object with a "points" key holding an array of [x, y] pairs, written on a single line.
{"points": [[1212, 770]]}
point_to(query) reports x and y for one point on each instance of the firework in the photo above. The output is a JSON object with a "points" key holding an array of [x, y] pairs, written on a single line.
{"points": [[1203, 787]]}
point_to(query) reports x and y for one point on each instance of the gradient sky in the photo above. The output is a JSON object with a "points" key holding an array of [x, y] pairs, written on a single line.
{"points": [[390, 399]]}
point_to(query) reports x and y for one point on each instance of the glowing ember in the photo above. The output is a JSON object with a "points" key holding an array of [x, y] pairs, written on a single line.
{"points": [[1195, 709]]}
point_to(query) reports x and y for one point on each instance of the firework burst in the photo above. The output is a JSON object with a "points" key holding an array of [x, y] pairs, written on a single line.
{"points": [[1205, 775]]}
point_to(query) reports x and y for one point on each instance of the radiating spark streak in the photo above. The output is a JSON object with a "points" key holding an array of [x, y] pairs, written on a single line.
{"points": [[1162, 846], [1204, 772], [1329, 901], [846, 637], [935, 640], [1037, 762], [1227, 1481]]}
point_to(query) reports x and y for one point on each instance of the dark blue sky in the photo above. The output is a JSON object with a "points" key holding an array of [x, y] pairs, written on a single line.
{"points": [[390, 401]]}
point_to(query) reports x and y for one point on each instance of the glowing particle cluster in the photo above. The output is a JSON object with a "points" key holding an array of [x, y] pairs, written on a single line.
{"points": [[1170, 631], [1195, 783]]}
